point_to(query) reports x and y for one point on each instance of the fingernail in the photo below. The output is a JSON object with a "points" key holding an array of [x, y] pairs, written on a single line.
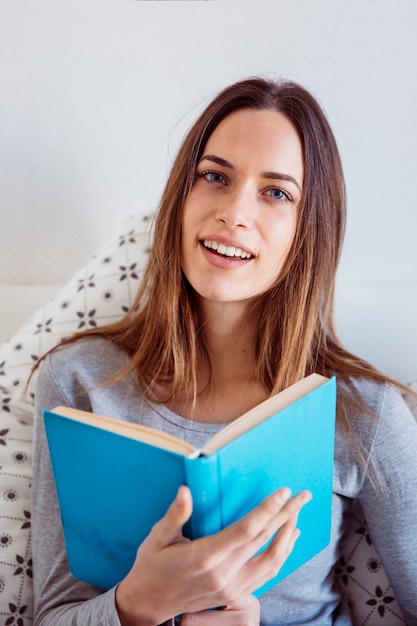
{"points": [[283, 494], [306, 497]]}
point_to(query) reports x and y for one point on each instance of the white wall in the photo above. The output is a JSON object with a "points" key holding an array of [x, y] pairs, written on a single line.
{"points": [[95, 95]]}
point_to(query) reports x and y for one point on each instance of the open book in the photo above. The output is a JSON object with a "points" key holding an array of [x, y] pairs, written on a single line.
{"points": [[115, 479]]}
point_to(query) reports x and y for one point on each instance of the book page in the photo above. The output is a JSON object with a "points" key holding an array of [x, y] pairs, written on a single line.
{"points": [[128, 429]]}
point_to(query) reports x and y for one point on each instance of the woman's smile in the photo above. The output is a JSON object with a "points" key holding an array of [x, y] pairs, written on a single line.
{"points": [[226, 250]]}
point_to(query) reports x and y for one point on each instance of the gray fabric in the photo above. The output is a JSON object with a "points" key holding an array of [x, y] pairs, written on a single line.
{"points": [[75, 375]]}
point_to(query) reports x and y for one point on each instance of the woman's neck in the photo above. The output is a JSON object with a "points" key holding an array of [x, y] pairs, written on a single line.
{"points": [[227, 385]]}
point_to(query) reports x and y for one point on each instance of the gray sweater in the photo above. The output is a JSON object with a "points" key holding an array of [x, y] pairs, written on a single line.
{"points": [[74, 376]]}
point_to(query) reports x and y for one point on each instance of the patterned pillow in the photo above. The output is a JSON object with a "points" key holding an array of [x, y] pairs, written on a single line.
{"points": [[99, 293], [362, 579], [15, 480]]}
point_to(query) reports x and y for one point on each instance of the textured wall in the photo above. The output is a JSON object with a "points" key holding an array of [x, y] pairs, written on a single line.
{"points": [[93, 96]]}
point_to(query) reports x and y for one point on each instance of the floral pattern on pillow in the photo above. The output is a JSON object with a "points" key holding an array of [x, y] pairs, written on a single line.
{"points": [[15, 481], [362, 579]]}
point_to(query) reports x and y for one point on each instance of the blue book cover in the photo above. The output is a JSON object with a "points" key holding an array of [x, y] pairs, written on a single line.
{"points": [[115, 479]]}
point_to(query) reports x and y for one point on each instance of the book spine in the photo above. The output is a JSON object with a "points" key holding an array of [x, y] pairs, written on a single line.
{"points": [[203, 481]]}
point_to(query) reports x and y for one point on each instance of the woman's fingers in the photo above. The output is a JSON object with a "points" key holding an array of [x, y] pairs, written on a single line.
{"points": [[244, 612], [253, 531], [228, 562], [266, 564]]}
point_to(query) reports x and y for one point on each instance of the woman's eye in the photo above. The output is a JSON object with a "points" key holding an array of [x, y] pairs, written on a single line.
{"points": [[279, 194], [213, 177]]}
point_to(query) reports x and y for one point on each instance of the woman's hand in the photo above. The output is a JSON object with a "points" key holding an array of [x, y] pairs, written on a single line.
{"points": [[246, 612], [173, 575]]}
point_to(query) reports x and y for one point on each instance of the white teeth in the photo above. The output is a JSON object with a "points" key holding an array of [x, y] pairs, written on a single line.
{"points": [[221, 248]]}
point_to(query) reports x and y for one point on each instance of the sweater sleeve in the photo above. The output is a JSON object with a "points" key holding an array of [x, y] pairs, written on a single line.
{"points": [[390, 501], [60, 599]]}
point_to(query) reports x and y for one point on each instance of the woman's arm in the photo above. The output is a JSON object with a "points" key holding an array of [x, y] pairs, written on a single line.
{"points": [[59, 599], [391, 508]]}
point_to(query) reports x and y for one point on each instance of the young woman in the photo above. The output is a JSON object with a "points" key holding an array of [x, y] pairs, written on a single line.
{"points": [[235, 305]]}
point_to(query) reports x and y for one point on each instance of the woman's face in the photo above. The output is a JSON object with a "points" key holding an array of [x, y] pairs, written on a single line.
{"points": [[240, 218]]}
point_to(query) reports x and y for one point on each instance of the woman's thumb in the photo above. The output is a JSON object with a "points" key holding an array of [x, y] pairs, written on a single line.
{"points": [[178, 513]]}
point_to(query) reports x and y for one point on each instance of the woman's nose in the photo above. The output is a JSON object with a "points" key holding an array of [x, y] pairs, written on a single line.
{"points": [[236, 210]]}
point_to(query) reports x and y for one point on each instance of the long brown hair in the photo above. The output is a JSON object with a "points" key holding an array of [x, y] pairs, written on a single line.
{"points": [[296, 334]]}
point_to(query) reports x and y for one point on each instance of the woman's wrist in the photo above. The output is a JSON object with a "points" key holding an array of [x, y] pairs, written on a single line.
{"points": [[127, 609]]}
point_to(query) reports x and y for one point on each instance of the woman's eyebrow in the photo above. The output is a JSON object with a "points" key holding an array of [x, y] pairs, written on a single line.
{"points": [[270, 175], [280, 176], [218, 160]]}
